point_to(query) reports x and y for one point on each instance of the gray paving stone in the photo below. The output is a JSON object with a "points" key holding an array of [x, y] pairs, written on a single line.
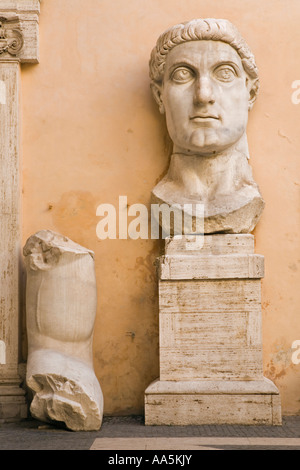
{"points": [[34, 435]]}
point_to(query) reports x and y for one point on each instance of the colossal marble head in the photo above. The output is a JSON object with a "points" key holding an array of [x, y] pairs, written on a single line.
{"points": [[204, 78]]}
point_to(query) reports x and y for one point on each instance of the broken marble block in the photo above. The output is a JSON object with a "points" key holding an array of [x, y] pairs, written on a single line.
{"points": [[60, 314]]}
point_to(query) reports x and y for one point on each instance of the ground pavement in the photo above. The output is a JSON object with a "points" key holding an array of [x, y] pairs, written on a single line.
{"points": [[130, 434]]}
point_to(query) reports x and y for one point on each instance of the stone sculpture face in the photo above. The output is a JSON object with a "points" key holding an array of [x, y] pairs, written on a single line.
{"points": [[205, 80], [205, 94]]}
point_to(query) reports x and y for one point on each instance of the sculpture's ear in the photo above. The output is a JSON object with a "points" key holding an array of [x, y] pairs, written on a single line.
{"points": [[157, 93], [253, 86]]}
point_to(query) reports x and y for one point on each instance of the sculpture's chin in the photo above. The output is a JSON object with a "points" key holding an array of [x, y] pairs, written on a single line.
{"points": [[210, 142]]}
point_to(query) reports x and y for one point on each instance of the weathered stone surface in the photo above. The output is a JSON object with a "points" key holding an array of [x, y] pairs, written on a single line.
{"points": [[210, 245], [212, 402], [61, 307], [206, 267], [65, 390], [205, 80], [210, 336], [13, 405]]}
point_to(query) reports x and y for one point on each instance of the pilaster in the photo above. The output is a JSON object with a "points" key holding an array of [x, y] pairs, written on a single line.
{"points": [[18, 44]]}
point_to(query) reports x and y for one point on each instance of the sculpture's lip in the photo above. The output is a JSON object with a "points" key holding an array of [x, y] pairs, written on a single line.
{"points": [[203, 117]]}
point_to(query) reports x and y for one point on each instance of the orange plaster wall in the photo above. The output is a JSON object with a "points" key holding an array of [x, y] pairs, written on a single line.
{"points": [[91, 132]]}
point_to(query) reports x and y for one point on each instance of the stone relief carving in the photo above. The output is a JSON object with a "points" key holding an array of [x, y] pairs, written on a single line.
{"points": [[60, 313], [11, 37], [205, 80]]}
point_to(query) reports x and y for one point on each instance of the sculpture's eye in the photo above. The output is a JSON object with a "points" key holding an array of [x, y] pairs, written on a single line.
{"points": [[182, 75], [225, 73]]}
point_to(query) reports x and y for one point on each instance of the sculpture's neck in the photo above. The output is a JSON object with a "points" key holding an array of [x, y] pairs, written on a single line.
{"points": [[210, 176]]}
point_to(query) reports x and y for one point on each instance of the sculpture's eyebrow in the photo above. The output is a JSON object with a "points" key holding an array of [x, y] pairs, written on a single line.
{"points": [[182, 63], [228, 62], [194, 66]]}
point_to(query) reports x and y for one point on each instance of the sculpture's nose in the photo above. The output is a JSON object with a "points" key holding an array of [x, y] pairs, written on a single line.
{"points": [[203, 91]]}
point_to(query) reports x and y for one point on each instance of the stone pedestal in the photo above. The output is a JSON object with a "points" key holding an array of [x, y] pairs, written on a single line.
{"points": [[210, 336]]}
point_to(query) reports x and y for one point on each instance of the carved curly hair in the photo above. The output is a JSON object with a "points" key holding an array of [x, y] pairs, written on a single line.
{"points": [[201, 29]]}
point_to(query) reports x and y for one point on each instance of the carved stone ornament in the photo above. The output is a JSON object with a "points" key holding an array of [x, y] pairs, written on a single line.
{"points": [[11, 37]]}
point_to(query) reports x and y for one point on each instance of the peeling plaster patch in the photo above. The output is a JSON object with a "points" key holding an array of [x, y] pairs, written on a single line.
{"points": [[274, 372], [282, 356], [2, 352], [293, 267], [280, 362]]}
